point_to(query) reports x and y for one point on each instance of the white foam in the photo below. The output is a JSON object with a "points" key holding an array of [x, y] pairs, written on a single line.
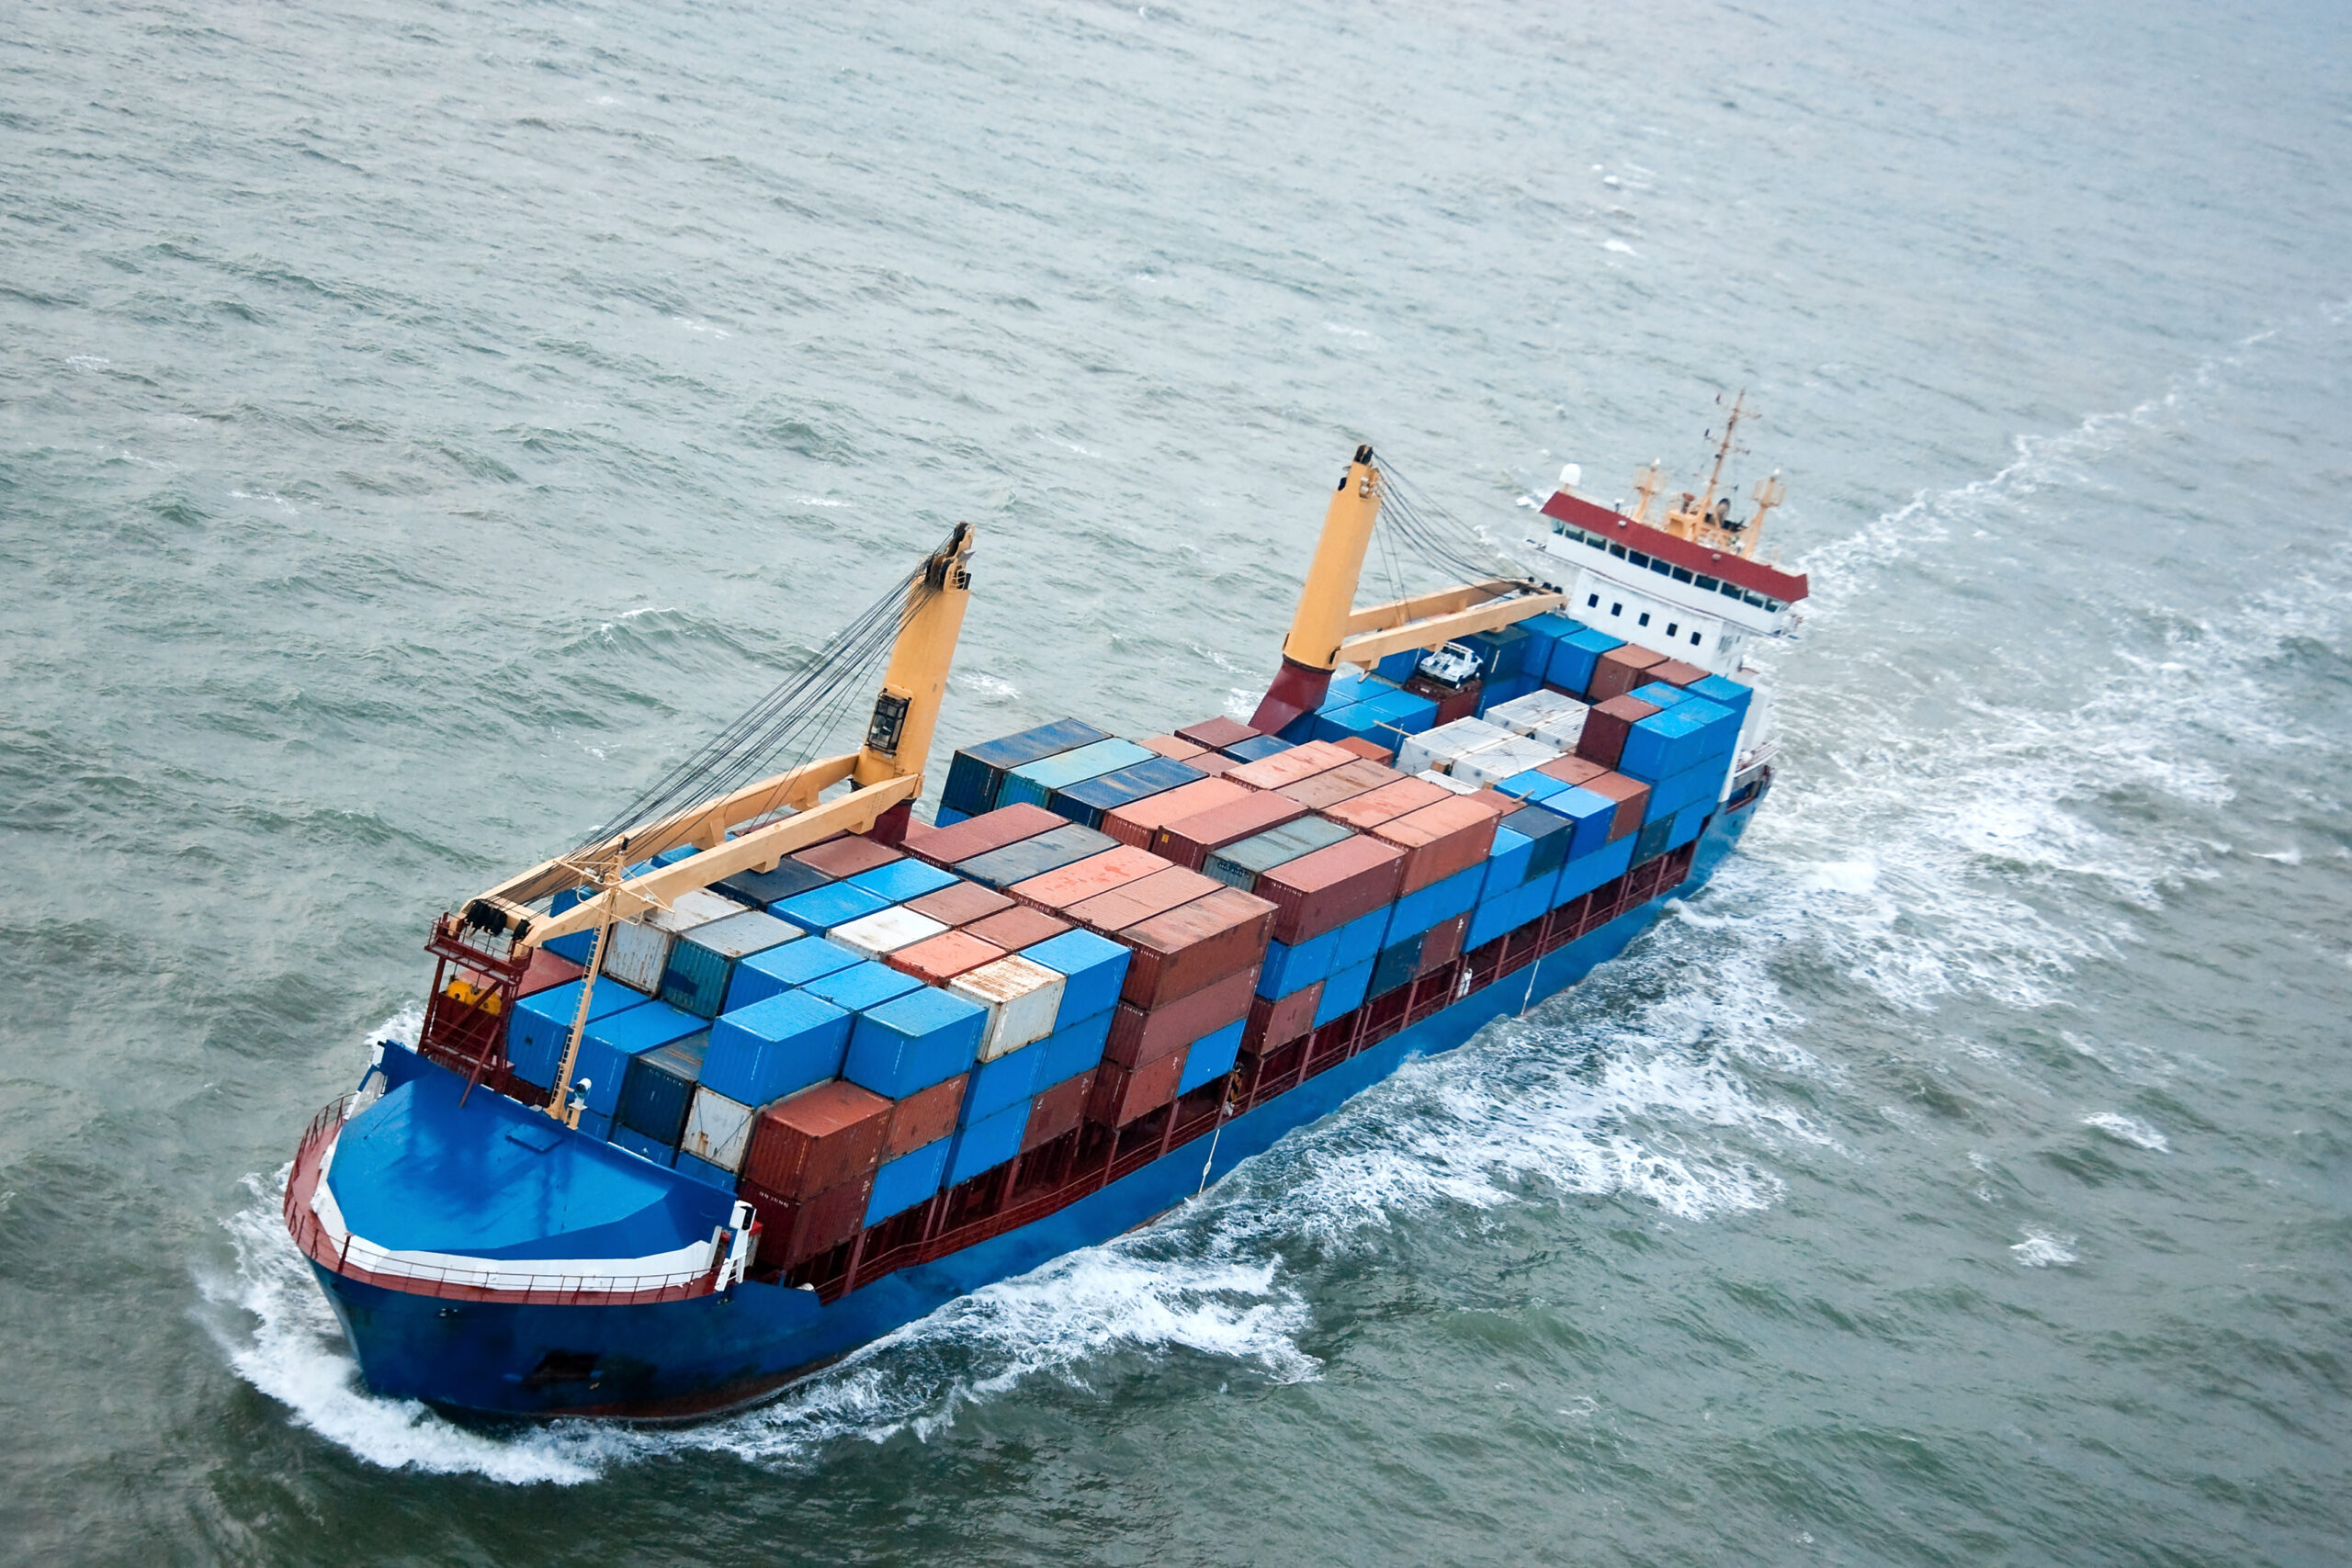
{"points": [[2040, 1249], [2128, 1129]]}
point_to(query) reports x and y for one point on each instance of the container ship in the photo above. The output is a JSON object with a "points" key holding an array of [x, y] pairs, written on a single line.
{"points": [[767, 1067]]}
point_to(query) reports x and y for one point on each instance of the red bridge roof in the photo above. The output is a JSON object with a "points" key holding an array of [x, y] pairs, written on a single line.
{"points": [[1754, 575]]}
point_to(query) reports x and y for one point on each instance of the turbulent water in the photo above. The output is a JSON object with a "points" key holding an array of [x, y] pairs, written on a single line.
{"points": [[418, 425]]}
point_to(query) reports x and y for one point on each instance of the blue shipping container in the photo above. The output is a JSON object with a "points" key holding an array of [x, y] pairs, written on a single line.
{"points": [[1034, 782], [1210, 1056], [861, 987], [785, 968], [974, 773], [541, 1026], [1574, 656], [901, 880], [762, 888], [1362, 939], [987, 1143], [774, 1047], [996, 1083], [1344, 992], [607, 1045], [1094, 969], [909, 1179], [912, 1042], [1073, 1048], [1288, 969]]}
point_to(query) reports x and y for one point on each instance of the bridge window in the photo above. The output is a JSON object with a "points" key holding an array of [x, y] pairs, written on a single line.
{"points": [[1694, 640], [1645, 617], [1681, 574], [1638, 559], [1673, 629], [1616, 609], [1591, 601], [1709, 584]]}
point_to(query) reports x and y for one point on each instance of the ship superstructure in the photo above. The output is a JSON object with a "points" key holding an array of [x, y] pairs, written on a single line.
{"points": [[767, 1067]]}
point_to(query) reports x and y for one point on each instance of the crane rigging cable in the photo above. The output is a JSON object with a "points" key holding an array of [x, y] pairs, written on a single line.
{"points": [[1437, 538], [782, 729]]}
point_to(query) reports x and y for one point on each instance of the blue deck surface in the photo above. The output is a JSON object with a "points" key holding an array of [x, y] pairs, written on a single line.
{"points": [[679, 1358], [415, 1173]]}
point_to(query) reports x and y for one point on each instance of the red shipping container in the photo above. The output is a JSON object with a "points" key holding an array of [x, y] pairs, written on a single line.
{"points": [[1442, 944], [1619, 671], [1138, 1036], [1057, 1109], [1189, 841], [990, 831], [1631, 795], [1371, 751], [1173, 748], [1142, 898], [1606, 726], [818, 1139], [1194, 946], [793, 1231], [1216, 734], [1137, 821], [937, 960], [1439, 839], [1121, 1096], [1450, 703], [1056, 891], [847, 855], [961, 903], [1289, 767], [1017, 928], [1326, 888], [546, 972], [1674, 673], [1275, 1022], [1343, 783], [1212, 764], [923, 1118], [1385, 804], [1573, 769]]}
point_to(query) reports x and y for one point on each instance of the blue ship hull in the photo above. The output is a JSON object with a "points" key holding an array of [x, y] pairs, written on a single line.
{"points": [[708, 1353]]}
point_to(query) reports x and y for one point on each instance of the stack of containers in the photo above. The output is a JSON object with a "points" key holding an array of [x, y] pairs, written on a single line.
{"points": [[976, 773]]}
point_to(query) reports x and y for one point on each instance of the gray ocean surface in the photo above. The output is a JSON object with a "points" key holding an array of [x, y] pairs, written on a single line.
{"points": [[421, 424]]}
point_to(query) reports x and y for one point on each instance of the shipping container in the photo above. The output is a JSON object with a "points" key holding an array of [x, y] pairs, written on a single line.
{"points": [[541, 1027], [545, 971], [795, 1231], [1489, 765], [1572, 770], [1385, 804], [1085, 802], [1036, 782], [901, 880], [717, 1129], [1606, 726], [1439, 840], [1360, 939], [1240, 864], [826, 1137], [1723, 692], [1064, 845], [1396, 966], [996, 830], [1418, 911], [1056, 1110], [638, 950], [1010, 1079], [884, 931], [1523, 716], [823, 908], [1574, 657], [1074, 1047], [974, 773], [643, 1147], [1344, 992], [1441, 748], [1142, 898], [1274, 1021], [1677, 739], [912, 1042], [775, 1047], [1092, 970], [863, 985], [658, 1089], [960, 904], [1216, 734], [1121, 1095], [1294, 966], [1135, 822], [1018, 928], [607, 1045], [1506, 861], [1675, 673], [1619, 671], [1190, 840], [910, 1179], [1173, 747], [1631, 796], [1020, 998], [1256, 749], [762, 888], [1057, 890], [1441, 943], [1580, 876], [1194, 946], [846, 854], [702, 1170], [1288, 767], [1578, 824], [924, 1117], [785, 968], [702, 963], [943, 957], [988, 1144], [1138, 1036], [1324, 889], [1210, 1057], [1343, 783]]}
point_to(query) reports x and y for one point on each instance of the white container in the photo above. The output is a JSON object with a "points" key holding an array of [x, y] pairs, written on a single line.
{"points": [[639, 950], [1565, 728], [1442, 747], [1456, 785], [885, 930], [1492, 764], [1525, 716], [717, 1129], [1022, 997]]}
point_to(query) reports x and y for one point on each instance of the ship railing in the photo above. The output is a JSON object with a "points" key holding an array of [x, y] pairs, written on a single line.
{"points": [[354, 1259]]}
